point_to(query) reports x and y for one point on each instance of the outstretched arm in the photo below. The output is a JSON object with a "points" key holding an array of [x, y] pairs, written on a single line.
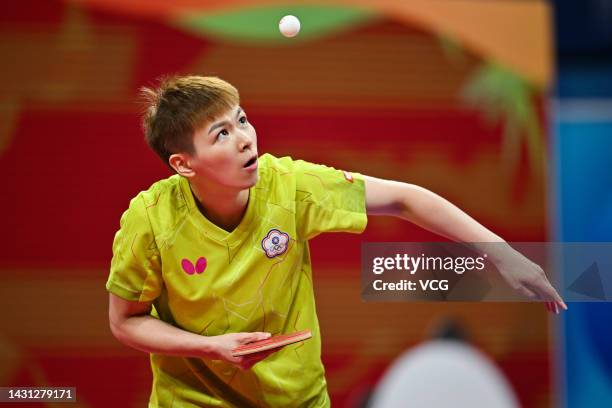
{"points": [[436, 214]]}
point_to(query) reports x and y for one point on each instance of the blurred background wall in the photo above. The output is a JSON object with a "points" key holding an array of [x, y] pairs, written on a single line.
{"points": [[449, 95], [582, 203]]}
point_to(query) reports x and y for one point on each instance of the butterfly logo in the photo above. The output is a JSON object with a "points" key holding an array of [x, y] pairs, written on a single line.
{"points": [[190, 268]]}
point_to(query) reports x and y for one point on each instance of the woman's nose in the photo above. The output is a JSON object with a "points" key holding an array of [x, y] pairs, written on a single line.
{"points": [[244, 140]]}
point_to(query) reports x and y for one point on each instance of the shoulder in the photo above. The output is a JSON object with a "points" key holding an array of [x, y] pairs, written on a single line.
{"points": [[277, 179], [161, 203], [275, 169], [301, 172], [269, 164], [287, 166], [163, 193]]}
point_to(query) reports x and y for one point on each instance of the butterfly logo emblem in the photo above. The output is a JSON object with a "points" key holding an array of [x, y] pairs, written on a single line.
{"points": [[189, 268]]}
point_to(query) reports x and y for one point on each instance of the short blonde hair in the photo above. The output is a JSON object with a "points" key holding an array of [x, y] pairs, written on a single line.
{"points": [[179, 106]]}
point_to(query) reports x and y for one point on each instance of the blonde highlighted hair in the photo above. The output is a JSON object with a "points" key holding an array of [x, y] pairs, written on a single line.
{"points": [[179, 106]]}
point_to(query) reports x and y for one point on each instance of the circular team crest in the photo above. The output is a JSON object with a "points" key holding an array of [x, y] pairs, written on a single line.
{"points": [[275, 243]]}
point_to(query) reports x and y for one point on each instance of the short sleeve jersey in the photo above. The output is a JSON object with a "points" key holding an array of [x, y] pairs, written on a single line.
{"points": [[257, 277]]}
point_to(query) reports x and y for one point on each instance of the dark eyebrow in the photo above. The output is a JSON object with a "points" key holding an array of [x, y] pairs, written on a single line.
{"points": [[220, 124]]}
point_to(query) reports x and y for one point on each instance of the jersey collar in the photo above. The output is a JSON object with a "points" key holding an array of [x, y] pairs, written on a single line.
{"points": [[208, 227]]}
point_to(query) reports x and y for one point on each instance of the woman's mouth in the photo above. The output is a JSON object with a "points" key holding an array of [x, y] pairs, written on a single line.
{"points": [[251, 164]]}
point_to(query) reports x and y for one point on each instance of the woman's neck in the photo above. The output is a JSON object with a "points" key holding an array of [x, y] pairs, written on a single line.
{"points": [[224, 208]]}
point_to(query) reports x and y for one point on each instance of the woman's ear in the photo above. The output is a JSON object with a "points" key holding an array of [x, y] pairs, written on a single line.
{"points": [[180, 163]]}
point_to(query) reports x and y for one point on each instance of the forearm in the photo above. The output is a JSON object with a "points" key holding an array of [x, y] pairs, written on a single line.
{"points": [[438, 215], [152, 335]]}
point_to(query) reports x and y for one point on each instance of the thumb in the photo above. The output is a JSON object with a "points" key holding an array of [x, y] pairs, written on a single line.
{"points": [[255, 336]]}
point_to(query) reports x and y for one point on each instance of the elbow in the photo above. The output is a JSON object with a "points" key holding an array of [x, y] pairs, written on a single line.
{"points": [[121, 315], [117, 328]]}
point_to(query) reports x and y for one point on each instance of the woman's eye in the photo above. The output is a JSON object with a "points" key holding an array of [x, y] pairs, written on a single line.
{"points": [[243, 120], [222, 134]]}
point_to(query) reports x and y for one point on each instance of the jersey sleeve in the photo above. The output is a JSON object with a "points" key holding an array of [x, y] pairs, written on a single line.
{"points": [[328, 200], [135, 272]]}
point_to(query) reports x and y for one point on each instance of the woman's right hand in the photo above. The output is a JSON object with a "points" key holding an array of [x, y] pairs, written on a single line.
{"points": [[220, 348]]}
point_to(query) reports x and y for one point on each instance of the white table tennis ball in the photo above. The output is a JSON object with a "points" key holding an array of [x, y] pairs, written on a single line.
{"points": [[289, 26]]}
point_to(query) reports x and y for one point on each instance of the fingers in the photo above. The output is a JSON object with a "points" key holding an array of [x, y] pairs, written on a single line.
{"points": [[542, 287], [552, 307], [243, 362], [247, 361], [546, 291], [554, 295], [250, 360]]}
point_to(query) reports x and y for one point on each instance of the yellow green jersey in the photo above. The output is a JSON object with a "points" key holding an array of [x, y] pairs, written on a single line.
{"points": [[257, 277]]}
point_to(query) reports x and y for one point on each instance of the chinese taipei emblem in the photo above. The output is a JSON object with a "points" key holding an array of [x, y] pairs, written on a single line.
{"points": [[275, 243]]}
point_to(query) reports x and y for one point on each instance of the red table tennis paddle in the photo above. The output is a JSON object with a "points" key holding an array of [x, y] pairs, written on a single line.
{"points": [[278, 341]]}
